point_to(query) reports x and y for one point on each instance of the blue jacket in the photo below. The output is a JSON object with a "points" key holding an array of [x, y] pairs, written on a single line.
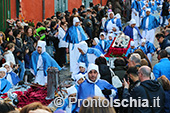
{"points": [[153, 22], [48, 61], [128, 30], [162, 68]]}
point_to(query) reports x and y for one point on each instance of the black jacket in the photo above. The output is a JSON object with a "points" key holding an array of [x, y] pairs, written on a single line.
{"points": [[154, 90], [165, 43], [165, 8]]}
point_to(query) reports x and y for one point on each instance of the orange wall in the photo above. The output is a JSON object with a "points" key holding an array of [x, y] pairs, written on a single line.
{"points": [[13, 9], [32, 9], [74, 4]]}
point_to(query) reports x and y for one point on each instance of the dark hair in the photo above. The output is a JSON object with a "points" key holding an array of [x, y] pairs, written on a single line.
{"points": [[133, 71], [91, 4], [48, 19], [7, 31], [159, 35], [163, 80], [39, 24], [163, 54], [6, 107], [100, 60], [52, 17], [53, 23], [17, 21], [74, 10], [16, 32], [62, 23], [119, 62], [10, 46], [82, 6]]}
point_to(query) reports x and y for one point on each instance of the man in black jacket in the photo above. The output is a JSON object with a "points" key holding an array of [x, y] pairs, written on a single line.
{"points": [[163, 42], [149, 90]]}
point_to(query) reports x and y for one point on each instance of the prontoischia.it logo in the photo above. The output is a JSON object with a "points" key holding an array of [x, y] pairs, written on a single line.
{"points": [[59, 102]]}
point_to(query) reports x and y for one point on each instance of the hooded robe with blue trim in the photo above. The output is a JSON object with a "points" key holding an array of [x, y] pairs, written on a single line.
{"points": [[128, 30], [148, 48], [5, 85], [48, 61], [14, 77], [106, 46], [118, 24]]}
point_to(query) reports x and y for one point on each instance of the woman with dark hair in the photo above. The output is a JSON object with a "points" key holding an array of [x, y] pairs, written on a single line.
{"points": [[166, 86], [8, 32], [104, 69]]}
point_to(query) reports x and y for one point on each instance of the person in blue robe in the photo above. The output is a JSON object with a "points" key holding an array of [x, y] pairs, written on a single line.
{"points": [[110, 39], [153, 6], [68, 106], [148, 24], [5, 85], [74, 35], [88, 55], [133, 32], [10, 75], [40, 62], [131, 49], [148, 48], [103, 43], [96, 44], [111, 20], [94, 86], [142, 13], [79, 80]]}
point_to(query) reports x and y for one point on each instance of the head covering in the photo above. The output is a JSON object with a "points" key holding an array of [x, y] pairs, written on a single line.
{"points": [[143, 41], [148, 9], [83, 46], [7, 63], [102, 33], [168, 50], [132, 21], [109, 14], [41, 44], [118, 16], [152, 2], [109, 34], [71, 90], [3, 69], [93, 67], [78, 77], [81, 64], [75, 19], [132, 43], [96, 40]]}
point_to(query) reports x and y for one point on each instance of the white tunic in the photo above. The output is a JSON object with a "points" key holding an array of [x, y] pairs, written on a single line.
{"points": [[136, 17], [9, 57], [136, 37]]}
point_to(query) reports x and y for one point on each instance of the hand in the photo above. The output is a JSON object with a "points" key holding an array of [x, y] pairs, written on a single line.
{"points": [[25, 43], [135, 14], [126, 83], [66, 50], [158, 49], [106, 91]]}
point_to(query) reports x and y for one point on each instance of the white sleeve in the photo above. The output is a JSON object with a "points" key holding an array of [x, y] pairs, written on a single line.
{"points": [[113, 93], [133, 10]]}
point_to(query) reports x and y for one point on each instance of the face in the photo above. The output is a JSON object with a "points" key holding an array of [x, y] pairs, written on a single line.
{"points": [[19, 35], [81, 80], [2, 74], [160, 40], [7, 68], [12, 49], [77, 23], [102, 37], [132, 47], [111, 15], [72, 95], [133, 25], [39, 50], [81, 51], [110, 37], [82, 69], [30, 32], [94, 42], [147, 4], [147, 13], [143, 8], [93, 75], [114, 29], [139, 74], [18, 23], [10, 33]]}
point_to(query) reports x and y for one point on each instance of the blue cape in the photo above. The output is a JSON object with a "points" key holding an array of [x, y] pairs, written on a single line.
{"points": [[136, 5], [153, 22], [84, 58], [106, 45], [14, 77], [72, 36], [48, 61], [118, 24], [150, 48], [128, 30], [5, 85]]}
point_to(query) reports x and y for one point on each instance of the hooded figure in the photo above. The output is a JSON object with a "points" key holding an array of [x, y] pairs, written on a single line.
{"points": [[69, 107], [111, 20], [103, 43], [5, 85], [133, 32], [10, 75], [94, 86], [96, 44], [40, 61], [88, 55], [74, 35], [131, 49], [110, 39]]}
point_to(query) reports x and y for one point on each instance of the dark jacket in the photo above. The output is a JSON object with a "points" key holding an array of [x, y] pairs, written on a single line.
{"points": [[105, 73], [154, 89], [120, 71], [165, 8], [167, 102], [164, 44]]}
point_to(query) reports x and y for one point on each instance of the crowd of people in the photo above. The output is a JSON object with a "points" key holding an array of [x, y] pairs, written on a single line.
{"points": [[27, 51]]}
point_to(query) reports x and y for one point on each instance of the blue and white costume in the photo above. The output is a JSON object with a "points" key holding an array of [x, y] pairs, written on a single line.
{"points": [[110, 41], [40, 63], [11, 76], [94, 88], [74, 35], [136, 7], [103, 44], [149, 23], [133, 33], [142, 13], [5, 85], [153, 6], [97, 46], [111, 21], [130, 50]]}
